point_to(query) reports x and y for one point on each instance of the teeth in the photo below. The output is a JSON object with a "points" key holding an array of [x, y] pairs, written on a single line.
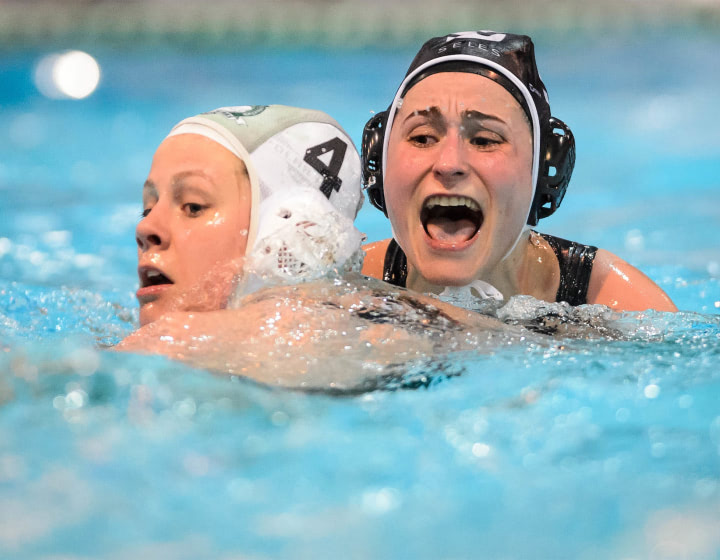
{"points": [[452, 201], [152, 273]]}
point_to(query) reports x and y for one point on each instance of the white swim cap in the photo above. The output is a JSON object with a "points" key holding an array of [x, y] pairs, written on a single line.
{"points": [[285, 148], [303, 167]]}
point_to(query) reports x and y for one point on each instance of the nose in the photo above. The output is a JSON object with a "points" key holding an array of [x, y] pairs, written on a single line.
{"points": [[152, 231], [451, 163]]}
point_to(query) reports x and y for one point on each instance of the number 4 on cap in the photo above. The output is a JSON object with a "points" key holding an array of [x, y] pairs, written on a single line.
{"points": [[330, 172]]}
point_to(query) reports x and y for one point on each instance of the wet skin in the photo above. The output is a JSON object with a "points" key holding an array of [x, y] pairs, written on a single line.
{"points": [[458, 179], [193, 234]]}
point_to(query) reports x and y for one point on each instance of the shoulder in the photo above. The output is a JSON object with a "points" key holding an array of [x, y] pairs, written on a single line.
{"points": [[374, 262], [622, 287]]}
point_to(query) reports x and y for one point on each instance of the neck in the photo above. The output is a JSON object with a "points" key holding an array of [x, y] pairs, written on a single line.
{"points": [[528, 269]]}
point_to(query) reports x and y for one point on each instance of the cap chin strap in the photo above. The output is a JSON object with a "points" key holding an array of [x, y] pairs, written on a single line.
{"points": [[467, 296], [523, 231]]}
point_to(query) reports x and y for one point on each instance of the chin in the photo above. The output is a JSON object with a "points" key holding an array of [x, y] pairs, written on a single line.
{"points": [[444, 274], [146, 318], [150, 313]]}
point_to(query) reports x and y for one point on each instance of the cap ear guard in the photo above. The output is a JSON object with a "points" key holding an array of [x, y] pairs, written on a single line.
{"points": [[556, 171], [371, 149]]}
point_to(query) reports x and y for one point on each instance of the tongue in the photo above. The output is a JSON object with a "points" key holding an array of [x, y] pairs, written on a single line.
{"points": [[450, 231]]}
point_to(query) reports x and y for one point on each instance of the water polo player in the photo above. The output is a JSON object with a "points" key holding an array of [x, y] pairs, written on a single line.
{"points": [[467, 158], [222, 184]]}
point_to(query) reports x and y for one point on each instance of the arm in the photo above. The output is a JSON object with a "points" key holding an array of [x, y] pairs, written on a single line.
{"points": [[315, 334], [623, 287], [374, 262]]}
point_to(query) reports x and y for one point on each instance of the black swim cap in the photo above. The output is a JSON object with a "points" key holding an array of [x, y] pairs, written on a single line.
{"points": [[509, 60], [502, 57]]}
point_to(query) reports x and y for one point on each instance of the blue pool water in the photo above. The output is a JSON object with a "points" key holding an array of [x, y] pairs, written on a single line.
{"points": [[599, 448]]}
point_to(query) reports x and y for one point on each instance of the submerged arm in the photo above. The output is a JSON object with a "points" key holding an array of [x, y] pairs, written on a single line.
{"points": [[317, 334]]}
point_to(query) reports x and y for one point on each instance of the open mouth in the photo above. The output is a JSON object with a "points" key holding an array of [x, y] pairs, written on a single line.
{"points": [[153, 277], [451, 219]]}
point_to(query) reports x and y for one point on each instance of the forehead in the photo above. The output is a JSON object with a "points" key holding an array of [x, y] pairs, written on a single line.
{"points": [[460, 91], [188, 155], [191, 149]]}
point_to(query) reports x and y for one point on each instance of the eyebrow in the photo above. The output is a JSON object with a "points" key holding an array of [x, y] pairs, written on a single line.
{"points": [[149, 186], [435, 116], [177, 183], [431, 113], [178, 177], [180, 188], [480, 116]]}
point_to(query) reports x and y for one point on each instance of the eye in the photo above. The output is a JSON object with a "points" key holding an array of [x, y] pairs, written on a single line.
{"points": [[423, 139], [193, 209], [145, 212], [482, 141], [486, 140]]}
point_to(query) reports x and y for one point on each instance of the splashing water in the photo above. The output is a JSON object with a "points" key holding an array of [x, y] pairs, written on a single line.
{"points": [[590, 433], [565, 440]]}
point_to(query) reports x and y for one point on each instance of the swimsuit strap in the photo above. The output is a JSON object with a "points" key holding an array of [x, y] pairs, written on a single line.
{"points": [[395, 265], [576, 262]]}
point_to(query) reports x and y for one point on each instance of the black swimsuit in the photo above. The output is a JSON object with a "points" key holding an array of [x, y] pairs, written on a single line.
{"points": [[575, 259]]}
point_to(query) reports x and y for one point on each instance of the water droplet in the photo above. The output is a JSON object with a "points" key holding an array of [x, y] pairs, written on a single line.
{"points": [[685, 401], [481, 450], [634, 240], [622, 415], [379, 502], [279, 418], [658, 450]]}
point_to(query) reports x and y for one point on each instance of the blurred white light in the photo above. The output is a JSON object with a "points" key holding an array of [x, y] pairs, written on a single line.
{"points": [[634, 240], [382, 501], [652, 391], [481, 450], [68, 75]]}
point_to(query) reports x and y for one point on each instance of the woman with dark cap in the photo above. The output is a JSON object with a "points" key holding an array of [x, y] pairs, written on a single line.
{"points": [[464, 161]]}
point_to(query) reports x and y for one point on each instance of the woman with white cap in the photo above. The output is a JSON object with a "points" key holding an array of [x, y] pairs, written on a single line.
{"points": [[222, 183], [464, 161]]}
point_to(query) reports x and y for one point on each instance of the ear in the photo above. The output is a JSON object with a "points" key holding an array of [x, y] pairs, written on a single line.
{"points": [[372, 146], [556, 170]]}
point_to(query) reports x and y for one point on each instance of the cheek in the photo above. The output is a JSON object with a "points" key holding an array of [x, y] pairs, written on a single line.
{"points": [[219, 238], [396, 200], [509, 179], [401, 180], [228, 236]]}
